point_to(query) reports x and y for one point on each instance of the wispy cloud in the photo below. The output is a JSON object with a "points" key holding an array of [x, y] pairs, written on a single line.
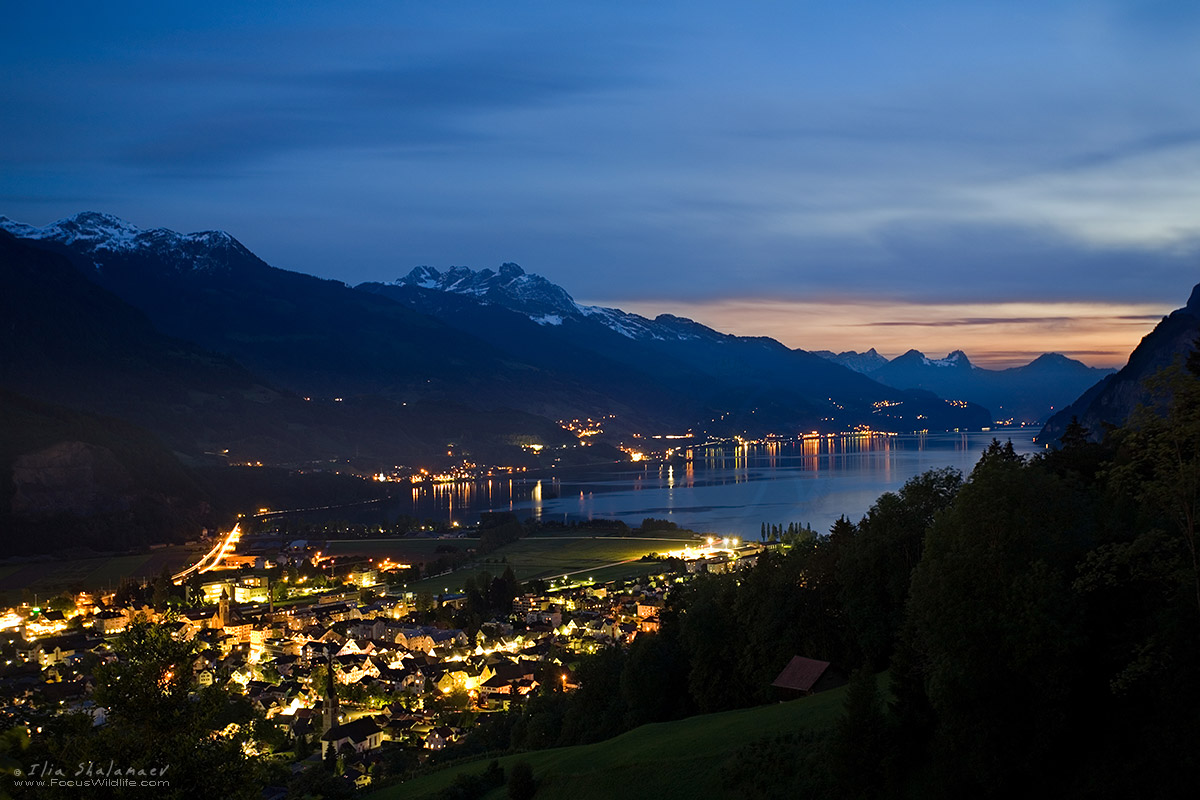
{"points": [[970, 153], [1006, 334]]}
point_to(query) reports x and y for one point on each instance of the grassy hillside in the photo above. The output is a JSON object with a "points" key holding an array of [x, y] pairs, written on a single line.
{"points": [[667, 760]]}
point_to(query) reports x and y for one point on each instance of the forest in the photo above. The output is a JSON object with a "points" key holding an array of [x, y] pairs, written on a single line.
{"points": [[1036, 622]]}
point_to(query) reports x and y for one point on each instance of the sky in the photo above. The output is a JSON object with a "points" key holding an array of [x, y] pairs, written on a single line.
{"points": [[1004, 178]]}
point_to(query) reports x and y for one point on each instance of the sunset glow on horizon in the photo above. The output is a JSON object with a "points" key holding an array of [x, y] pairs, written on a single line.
{"points": [[993, 335]]}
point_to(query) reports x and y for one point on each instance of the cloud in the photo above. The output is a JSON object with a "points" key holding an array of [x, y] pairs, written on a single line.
{"points": [[991, 321], [1003, 335], [437, 105], [678, 151]]}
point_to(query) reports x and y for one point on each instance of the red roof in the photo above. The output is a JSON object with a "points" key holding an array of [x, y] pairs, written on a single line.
{"points": [[801, 674]]}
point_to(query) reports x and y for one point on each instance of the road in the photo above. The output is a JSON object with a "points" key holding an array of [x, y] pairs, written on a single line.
{"points": [[213, 557]]}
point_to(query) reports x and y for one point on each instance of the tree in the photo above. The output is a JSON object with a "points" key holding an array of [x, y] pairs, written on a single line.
{"points": [[13, 741], [859, 746], [995, 625], [876, 560], [63, 602], [158, 719], [1161, 460], [164, 590]]}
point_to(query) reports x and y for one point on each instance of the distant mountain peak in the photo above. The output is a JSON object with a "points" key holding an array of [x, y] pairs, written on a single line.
{"points": [[510, 271], [863, 363], [544, 302], [1053, 358], [956, 358], [87, 228], [96, 233], [959, 357], [511, 287]]}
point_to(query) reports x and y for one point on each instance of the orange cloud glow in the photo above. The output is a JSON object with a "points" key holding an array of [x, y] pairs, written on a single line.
{"points": [[994, 335]]}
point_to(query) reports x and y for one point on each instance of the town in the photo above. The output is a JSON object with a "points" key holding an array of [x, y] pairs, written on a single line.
{"points": [[353, 666]]}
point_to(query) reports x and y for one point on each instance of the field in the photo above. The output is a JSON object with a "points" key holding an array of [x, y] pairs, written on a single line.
{"points": [[666, 761], [555, 556], [400, 550], [43, 579], [601, 558]]}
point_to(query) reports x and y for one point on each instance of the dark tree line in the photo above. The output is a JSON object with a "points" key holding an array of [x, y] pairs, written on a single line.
{"points": [[1039, 621]]}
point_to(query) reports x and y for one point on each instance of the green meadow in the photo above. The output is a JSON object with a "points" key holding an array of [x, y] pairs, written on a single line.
{"points": [[678, 760], [600, 558]]}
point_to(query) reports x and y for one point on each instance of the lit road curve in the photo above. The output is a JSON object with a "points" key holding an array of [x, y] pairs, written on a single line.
{"points": [[213, 557]]}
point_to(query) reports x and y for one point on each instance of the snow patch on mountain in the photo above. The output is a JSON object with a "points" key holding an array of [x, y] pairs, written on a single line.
{"points": [[863, 363], [956, 359], [98, 235], [546, 303]]}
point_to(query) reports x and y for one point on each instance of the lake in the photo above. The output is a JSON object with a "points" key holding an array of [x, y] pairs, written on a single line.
{"points": [[730, 490]]}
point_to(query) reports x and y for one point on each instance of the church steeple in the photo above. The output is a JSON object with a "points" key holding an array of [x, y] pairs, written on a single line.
{"points": [[329, 704], [223, 617]]}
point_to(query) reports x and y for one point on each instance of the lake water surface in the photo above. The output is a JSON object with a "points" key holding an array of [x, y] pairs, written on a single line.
{"points": [[729, 490]]}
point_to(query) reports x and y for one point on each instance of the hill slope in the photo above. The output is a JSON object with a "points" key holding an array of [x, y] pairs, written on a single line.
{"points": [[680, 759], [1112, 400]]}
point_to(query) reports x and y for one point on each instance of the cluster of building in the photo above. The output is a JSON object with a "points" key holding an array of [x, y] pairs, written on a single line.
{"points": [[333, 673]]}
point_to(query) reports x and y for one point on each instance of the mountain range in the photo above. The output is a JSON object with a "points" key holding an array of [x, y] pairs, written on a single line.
{"points": [[447, 340], [213, 356], [1028, 394]]}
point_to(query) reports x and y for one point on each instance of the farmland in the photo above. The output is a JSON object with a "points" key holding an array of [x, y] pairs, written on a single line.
{"points": [[43, 578], [535, 557]]}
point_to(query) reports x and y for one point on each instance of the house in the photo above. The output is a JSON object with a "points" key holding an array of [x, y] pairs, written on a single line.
{"points": [[804, 676], [439, 737], [56, 649], [361, 735], [109, 622], [649, 607]]}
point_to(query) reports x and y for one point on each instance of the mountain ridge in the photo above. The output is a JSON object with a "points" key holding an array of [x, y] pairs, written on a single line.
{"points": [[1112, 400], [545, 302], [317, 337], [1029, 393]]}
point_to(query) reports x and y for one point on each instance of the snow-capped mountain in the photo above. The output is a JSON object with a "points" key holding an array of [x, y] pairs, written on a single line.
{"points": [[511, 287], [956, 359], [104, 237], [1027, 394], [864, 363], [548, 303], [500, 341]]}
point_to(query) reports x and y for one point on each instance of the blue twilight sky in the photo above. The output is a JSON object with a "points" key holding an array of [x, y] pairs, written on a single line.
{"points": [[1005, 177]]}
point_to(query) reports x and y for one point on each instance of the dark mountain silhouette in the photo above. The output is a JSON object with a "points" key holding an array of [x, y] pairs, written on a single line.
{"points": [[1027, 394], [73, 342], [864, 363], [1111, 400], [723, 384], [551, 358]]}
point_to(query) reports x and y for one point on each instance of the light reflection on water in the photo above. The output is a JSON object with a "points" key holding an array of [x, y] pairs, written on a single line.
{"points": [[729, 490]]}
